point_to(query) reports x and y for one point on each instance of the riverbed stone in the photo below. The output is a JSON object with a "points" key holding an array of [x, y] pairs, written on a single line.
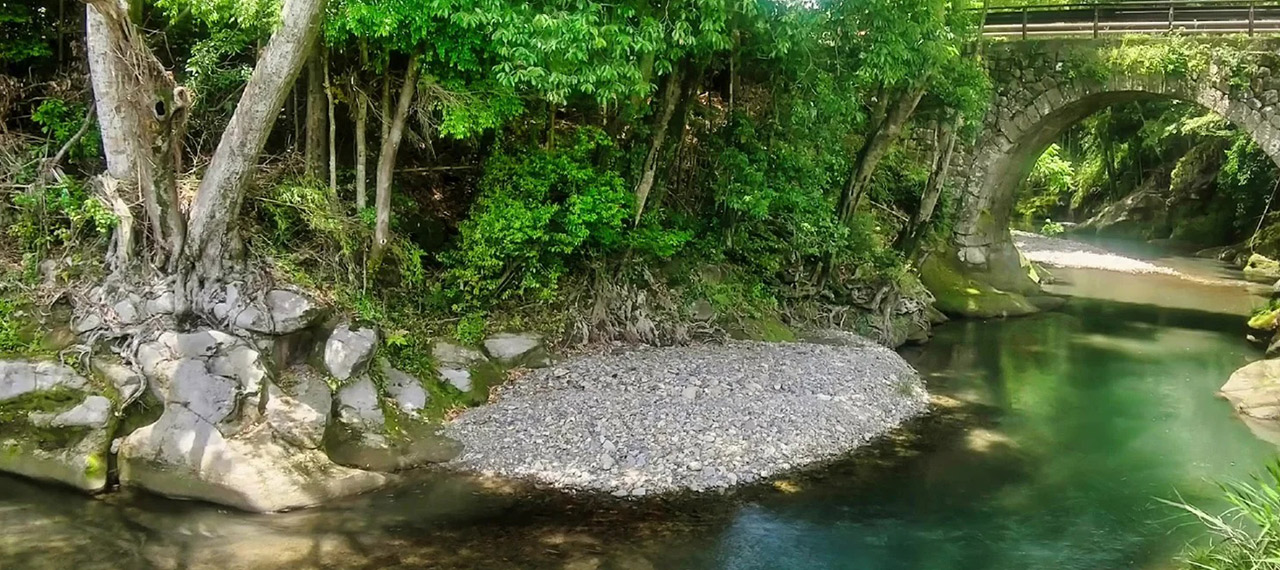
{"points": [[517, 349], [298, 407], [406, 389], [129, 383], [702, 417], [1254, 390], [228, 434], [54, 424], [1261, 269], [280, 312], [349, 350]]}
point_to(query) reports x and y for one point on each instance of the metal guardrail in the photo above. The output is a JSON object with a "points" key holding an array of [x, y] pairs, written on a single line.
{"points": [[1216, 17]]}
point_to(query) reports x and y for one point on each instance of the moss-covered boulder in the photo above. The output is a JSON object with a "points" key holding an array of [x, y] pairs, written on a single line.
{"points": [[55, 425], [1262, 269], [961, 295]]}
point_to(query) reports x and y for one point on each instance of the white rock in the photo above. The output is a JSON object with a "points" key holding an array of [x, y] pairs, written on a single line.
{"points": [[406, 390], [348, 351], [458, 378], [517, 349]]}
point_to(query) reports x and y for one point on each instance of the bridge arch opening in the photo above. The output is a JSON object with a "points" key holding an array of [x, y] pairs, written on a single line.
{"points": [[1020, 128]]}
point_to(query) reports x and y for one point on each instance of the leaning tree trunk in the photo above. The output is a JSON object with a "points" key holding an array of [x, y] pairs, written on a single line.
{"points": [[387, 162], [670, 97], [945, 142], [141, 109], [222, 189], [877, 143]]}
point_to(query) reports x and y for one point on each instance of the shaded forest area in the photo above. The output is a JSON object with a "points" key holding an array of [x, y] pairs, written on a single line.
{"points": [[599, 171]]}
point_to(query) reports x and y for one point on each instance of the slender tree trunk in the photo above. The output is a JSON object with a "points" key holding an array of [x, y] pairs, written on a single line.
{"points": [[362, 120], [877, 143], [945, 143], [333, 125], [384, 107], [387, 162], [670, 99], [222, 189], [362, 150], [315, 146]]}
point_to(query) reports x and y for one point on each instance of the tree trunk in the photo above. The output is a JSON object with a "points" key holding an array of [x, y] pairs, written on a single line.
{"points": [[142, 108], [361, 102], [874, 147], [222, 189], [384, 107], [333, 126], [945, 142], [362, 149], [315, 146], [387, 162], [670, 97]]}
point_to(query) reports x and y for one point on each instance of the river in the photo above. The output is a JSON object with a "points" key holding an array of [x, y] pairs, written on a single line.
{"points": [[1057, 436]]}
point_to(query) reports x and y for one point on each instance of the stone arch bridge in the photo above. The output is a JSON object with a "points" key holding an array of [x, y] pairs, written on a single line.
{"points": [[1043, 87]]}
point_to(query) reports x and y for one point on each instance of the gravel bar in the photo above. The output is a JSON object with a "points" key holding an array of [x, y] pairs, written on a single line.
{"points": [[702, 417], [1059, 252]]}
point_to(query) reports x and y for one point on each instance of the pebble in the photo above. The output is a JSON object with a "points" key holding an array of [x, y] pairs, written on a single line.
{"points": [[631, 422]]}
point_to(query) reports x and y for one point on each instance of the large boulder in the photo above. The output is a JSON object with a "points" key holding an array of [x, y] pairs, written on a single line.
{"points": [[517, 349], [1254, 390], [1140, 215], [961, 295], [1261, 269], [230, 435], [349, 350], [406, 390], [55, 425]]}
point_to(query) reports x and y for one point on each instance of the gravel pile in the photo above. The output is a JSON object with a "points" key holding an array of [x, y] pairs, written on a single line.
{"points": [[700, 417], [1058, 252]]}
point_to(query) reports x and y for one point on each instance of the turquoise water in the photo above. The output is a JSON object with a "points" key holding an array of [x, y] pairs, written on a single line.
{"points": [[1059, 434]]}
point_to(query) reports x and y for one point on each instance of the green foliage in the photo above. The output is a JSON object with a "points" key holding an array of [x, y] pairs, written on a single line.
{"points": [[60, 119], [1244, 537], [57, 216], [1051, 228], [537, 211], [25, 29], [1048, 188]]}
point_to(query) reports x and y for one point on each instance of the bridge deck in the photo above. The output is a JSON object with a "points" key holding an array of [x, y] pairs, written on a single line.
{"points": [[1216, 17]]}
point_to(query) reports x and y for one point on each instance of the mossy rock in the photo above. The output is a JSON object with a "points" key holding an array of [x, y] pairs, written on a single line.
{"points": [[960, 295], [1265, 320], [1262, 269]]}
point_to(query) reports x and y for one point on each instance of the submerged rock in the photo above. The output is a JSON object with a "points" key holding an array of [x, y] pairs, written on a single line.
{"points": [[55, 425]]}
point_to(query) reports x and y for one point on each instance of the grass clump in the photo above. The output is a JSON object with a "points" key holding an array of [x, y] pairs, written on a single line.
{"points": [[1244, 537]]}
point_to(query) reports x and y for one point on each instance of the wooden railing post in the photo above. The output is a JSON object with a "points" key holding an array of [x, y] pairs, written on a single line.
{"points": [[1095, 22], [1251, 18], [1024, 22], [1170, 17]]}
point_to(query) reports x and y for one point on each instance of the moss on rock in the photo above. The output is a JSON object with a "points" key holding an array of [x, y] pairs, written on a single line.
{"points": [[961, 295]]}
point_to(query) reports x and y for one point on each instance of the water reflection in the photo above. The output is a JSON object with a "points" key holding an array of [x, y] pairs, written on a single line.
{"points": [[1055, 436]]}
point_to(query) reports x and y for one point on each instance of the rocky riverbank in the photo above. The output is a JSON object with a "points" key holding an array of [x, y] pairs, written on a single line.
{"points": [[700, 417]]}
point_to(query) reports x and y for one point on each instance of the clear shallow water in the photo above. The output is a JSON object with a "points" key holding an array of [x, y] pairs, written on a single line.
{"points": [[1059, 433]]}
